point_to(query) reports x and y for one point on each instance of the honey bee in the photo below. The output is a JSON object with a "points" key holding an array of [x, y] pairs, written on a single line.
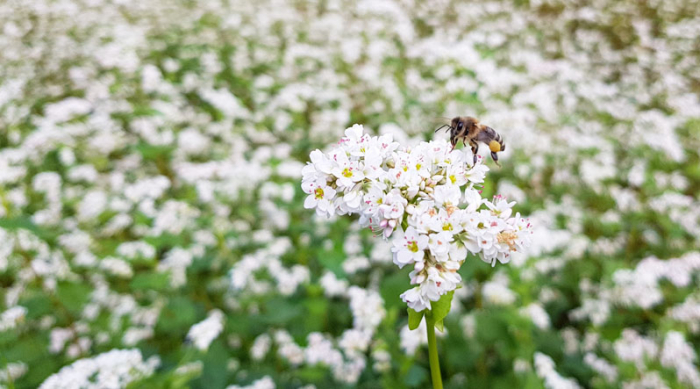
{"points": [[469, 129]]}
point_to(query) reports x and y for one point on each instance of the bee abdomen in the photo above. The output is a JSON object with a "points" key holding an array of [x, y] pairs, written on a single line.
{"points": [[501, 142], [496, 144]]}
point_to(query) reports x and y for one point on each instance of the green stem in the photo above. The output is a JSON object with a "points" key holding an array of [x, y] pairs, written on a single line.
{"points": [[432, 352]]}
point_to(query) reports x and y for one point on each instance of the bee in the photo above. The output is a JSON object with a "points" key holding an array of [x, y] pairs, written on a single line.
{"points": [[469, 129]]}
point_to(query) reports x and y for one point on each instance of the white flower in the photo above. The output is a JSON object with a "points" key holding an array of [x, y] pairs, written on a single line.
{"points": [[421, 189], [500, 207], [355, 134], [347, 172], [415, 299], [320, 162], [409, 248], [320, 197], [447, 195], [204, 332], [113, 369], [439, 244]]}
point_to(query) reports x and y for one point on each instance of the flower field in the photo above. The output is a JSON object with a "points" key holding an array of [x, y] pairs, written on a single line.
{"points": [[158, 166]]}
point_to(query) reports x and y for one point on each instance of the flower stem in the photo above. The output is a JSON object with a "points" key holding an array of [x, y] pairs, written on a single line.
{"points": [[432, 352]]}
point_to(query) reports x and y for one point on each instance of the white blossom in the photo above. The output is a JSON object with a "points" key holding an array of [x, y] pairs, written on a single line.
{"points": [[204, 332], [417, 191], [113, 369]]}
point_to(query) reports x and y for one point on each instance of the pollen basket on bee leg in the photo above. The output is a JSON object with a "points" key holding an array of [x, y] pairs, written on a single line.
{"points": [[494, 146]]}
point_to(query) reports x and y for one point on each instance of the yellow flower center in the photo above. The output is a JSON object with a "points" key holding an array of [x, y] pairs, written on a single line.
{"points": [[413, 246], [508, 238], [453, 178], [347, 173], [380, 201], [319, 193], [447, 227]]}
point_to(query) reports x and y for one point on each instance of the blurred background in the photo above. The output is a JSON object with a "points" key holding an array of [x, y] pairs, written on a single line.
{"points": [[152, 229]]}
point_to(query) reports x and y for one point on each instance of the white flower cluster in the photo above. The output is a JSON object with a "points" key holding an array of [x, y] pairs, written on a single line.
{"points": [[429, 193], [545, 369], [346, 359], [204, 332], [113, 369], [11, 317], [263, 383]]}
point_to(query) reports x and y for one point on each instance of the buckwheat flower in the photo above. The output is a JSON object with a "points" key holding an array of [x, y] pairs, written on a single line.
{"points": [[113, 369], [12, 371], [447, 195], [347, 172], [545, 369], [320, 163], [500, 207], [477, 173], [391, 212], [632, 347], [415, 299], [602, 367], [12, 317], [352, 199], [410, 248], [354, 341], [260, 347], [263, 383], [497, 292], [204, 332], [320, 197], [382, 360], [537, 314], [678, 354], [332, 286], [446, 220], [439, 244], [427, 193]]}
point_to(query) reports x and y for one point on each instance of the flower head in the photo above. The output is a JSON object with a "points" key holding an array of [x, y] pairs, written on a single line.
{"points": [[428, 193]]}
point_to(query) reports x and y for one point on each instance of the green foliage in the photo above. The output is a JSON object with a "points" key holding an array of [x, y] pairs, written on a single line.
{"points": [[414, 318], [294, 97], [441, 308]]}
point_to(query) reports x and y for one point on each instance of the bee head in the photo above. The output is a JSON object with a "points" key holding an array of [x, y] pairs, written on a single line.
{"points": [[463, 123], [457, 124]]}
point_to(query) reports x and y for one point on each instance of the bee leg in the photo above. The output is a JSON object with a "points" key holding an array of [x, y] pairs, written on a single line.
{"points": [[495, 158], [475, 150]]}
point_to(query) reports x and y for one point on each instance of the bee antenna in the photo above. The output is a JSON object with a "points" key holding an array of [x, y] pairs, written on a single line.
{"points": [[443, 126]]}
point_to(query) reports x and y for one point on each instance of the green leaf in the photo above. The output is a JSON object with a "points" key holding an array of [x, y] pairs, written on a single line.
{"points": [[214, 372], [416, 376], [177, 316], [73, 295], [414, 318], [152, 152], [440, 326], [441, 308], [150, 281], [392, 287], [280, 311]]}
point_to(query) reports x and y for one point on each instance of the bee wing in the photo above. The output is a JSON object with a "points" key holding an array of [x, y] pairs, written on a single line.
{"points": [[487, 134], [492, 138]]}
